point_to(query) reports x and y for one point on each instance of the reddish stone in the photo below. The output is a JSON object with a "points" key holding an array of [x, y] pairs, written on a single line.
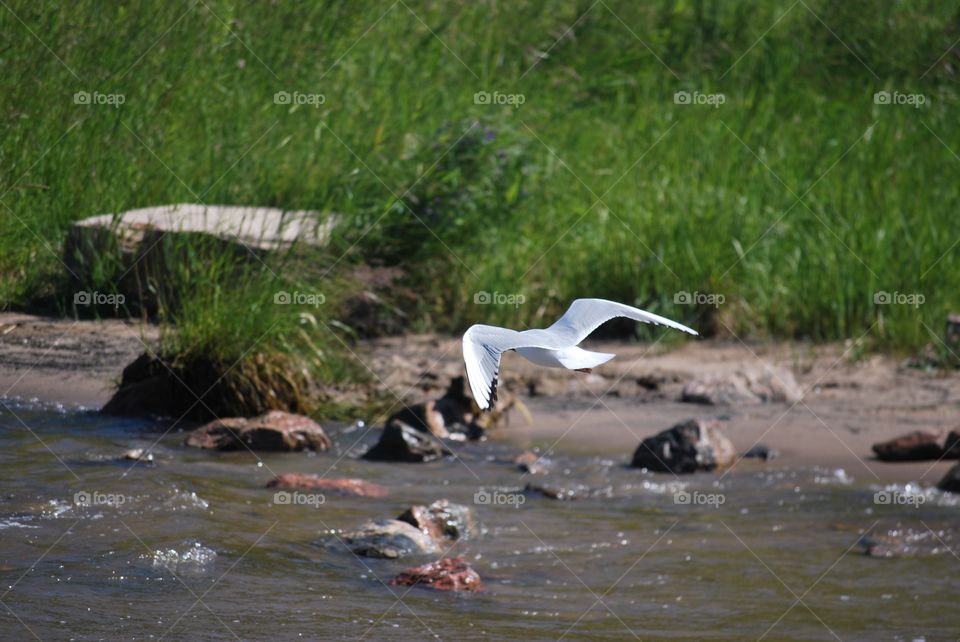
{"points": [[447, 574], [275, 430], [915, 446], [526, 457], [341, 486]]}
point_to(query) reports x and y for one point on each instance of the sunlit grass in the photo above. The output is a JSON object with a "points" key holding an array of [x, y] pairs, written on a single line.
{"points": [[797, 199]]}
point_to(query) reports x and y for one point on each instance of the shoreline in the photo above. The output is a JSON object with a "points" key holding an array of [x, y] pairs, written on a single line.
{"points": [[846, 406]]}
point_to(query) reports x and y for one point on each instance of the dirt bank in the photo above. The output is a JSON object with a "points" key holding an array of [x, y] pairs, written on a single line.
{"points": [[75, 363], [847, 404]]}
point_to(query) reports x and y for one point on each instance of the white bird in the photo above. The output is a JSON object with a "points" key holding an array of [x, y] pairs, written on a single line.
{"points": [[555, 347]]}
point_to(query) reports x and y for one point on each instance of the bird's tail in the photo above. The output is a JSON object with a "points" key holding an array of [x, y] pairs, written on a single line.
{"points": [[578, 358]]}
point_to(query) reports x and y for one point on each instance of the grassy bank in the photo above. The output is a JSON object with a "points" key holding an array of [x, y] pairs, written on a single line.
{"points": [[785, 204]]}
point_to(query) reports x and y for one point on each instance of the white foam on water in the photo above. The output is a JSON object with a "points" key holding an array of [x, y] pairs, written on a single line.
{"points": [[193, 557]]}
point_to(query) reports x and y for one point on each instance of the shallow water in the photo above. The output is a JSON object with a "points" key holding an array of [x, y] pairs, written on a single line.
{"points": [[196, 547]]}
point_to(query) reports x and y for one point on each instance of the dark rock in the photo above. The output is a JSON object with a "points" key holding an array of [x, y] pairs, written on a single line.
{"points": [[449, 416], [688, 447], [748, 386], [202, 389], [341, 486], [951, 447], [275, 430], [761, 451], [401, 442], [441, 520], [919, 445], [951, 481], [553, 492], [388, 538], [444, 574], [148, 389]]}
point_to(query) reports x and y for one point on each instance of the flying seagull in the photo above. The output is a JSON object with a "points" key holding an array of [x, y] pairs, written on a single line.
{"points": [[555, 347]]}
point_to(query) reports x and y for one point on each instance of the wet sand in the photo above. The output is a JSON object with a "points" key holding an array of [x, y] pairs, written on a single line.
{"points": [[847, 404], [62, 361]]}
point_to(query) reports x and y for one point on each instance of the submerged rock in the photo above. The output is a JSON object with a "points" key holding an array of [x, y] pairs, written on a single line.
{"points": [[138, 455], [275, 430], [688, 447], [951, 481], [529, 462], [745, 386], [401, 442], [761, 451], [388, 538], [447, 574], [341, 486], [918, 445], [441, 520], [554, 492], [450, 416], [904, 542]]}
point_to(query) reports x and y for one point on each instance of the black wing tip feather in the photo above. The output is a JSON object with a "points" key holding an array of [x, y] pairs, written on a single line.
{"points": [[493, 391]]}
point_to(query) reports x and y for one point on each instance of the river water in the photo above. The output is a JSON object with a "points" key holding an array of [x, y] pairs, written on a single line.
{"points": [[194, 547]]}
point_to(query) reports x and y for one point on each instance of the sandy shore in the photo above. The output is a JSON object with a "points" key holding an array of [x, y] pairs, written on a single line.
{"points": [[847, 404], [74, 363]]}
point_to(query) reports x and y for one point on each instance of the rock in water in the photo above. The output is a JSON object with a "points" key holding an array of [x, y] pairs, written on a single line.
{"points": [[203, 389], [441, 520], [275, 430], [401, 442], [745, 386], [388, 538], [452, 414], [688, 447], [918, 445], [951, 481], [951, 447], [447, 574], [138, 455], [340, 486], [761, 451]]}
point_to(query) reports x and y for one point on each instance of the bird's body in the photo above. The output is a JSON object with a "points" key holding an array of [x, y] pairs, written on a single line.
{"points": [[553, 347], [572, 358]]}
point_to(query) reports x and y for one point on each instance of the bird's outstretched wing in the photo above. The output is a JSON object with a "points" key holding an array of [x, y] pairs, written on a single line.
{"points": [[586, 315], [482, 347]]}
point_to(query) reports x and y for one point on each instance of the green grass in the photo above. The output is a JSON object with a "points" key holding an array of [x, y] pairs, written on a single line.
{"points": [[797, 199]]}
